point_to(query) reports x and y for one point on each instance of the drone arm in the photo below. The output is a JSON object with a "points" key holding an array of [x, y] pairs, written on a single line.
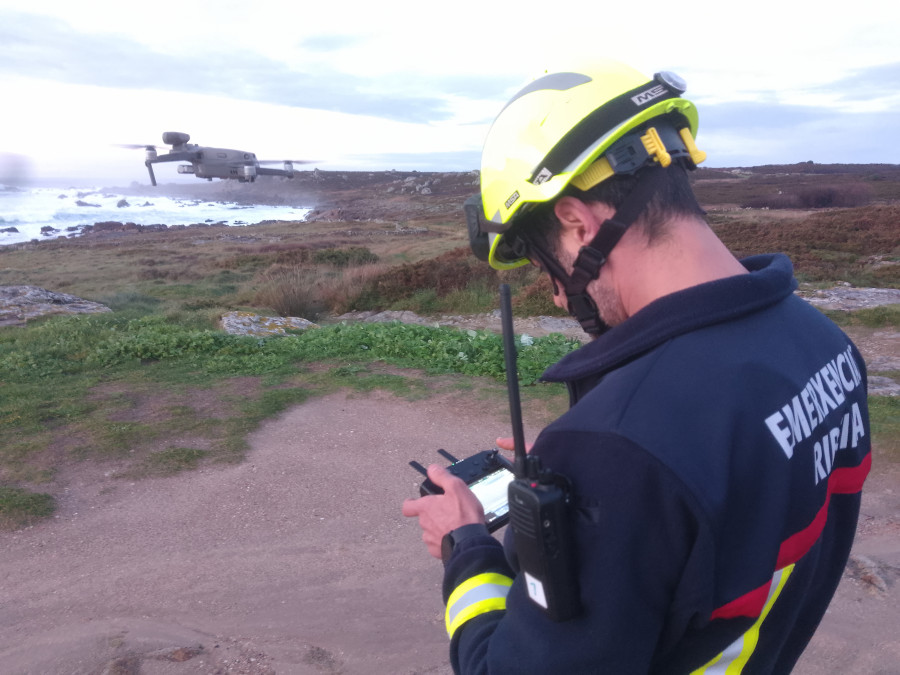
{"points": [[170, 157], [177, 157]]}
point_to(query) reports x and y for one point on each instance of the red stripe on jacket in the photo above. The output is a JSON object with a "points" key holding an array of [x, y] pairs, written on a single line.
{"points": [[846, 480]]}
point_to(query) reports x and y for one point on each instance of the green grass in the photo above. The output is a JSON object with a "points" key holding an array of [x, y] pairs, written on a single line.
{"points": [[884, 417], [873, 317], [109, 389], [21, 508], [173, 460]]}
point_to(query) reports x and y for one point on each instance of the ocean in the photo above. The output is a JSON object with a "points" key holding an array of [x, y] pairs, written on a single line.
{"points": [[48, 213]]}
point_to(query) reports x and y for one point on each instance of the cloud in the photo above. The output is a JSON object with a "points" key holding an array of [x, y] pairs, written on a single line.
{"points": [[47, 48], [751, 133], [331, 42], [755, 116], [867, 84], [464, 160]]}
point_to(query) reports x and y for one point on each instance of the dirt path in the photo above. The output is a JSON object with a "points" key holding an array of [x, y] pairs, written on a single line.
{"points": [[298, 560]]}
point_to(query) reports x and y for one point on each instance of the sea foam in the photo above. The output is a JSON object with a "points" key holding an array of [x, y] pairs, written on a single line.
{"points": [[48, 213]]}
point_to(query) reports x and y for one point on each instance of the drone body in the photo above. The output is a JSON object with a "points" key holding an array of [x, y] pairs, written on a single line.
{"points": [[206, 162]]}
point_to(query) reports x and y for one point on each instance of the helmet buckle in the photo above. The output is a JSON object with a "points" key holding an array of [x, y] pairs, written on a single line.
{"points": [[655, 147], [696, 154]]}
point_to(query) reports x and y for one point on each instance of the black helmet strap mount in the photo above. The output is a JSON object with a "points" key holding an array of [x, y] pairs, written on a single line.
{"points": [[593, 256]]}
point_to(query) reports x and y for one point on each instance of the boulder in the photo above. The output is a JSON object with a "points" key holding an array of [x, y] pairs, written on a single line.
{"points": [[18, 304], [248, 323]]}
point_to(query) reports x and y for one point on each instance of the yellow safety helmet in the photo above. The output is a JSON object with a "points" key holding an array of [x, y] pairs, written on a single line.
{"points": [[559, 130]]}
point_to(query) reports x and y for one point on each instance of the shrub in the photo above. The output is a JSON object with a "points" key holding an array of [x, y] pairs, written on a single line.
{"points": [[343, 292], [452, 271], [345, 257], [814, 197], [291, 291], [829, 196], [536, 299]]}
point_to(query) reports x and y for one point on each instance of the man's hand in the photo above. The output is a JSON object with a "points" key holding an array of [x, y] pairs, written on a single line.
{"points": [[508, 443], [439, 514]]}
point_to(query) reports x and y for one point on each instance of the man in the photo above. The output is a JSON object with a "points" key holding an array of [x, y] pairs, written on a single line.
{"points": [[718, 436]]}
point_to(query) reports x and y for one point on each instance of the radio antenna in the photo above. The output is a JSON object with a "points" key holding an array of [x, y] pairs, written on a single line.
{"points": [[512, 381]]}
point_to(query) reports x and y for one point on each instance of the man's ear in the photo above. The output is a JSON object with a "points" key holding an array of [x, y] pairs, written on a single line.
{"points": [[581, 219]]}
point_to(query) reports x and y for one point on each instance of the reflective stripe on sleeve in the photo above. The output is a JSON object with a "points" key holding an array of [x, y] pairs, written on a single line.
{"points": [[478, 595], [735, 657]]}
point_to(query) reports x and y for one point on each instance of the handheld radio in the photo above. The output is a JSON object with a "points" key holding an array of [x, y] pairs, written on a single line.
{"points": [[539, 503]]}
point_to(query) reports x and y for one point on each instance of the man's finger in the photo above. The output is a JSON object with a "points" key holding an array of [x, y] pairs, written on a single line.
{"points": [[508, 443], [440, 476], [412, 507]]}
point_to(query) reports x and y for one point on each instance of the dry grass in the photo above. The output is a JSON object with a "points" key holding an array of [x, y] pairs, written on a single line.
{"points": [[421, 246], [850, 245], [341, 294]]}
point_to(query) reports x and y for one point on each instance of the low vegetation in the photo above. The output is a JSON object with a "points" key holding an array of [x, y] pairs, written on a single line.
{"points": [[154, 388], [20, 508], [153, 397]]}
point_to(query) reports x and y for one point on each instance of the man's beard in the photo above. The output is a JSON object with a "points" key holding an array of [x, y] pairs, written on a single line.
{"points": [[609, 305]]}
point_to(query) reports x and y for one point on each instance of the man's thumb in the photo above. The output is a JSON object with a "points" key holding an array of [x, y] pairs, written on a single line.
{"points": [[438, 474]]}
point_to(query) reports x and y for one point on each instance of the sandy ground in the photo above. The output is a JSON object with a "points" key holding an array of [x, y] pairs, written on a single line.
{"points": [[299, 561], [296, 561]]}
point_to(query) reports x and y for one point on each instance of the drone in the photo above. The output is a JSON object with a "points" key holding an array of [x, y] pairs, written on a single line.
{"points": [[209, 163]]}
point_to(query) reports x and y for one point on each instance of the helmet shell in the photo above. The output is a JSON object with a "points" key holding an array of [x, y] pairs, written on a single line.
{"points": [[544, 112]]}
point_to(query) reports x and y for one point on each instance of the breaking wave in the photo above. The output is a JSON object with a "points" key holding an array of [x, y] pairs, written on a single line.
{"points": [[49, 213]]}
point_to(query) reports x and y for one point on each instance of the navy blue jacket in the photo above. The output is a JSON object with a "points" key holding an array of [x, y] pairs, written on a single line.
{"points": [[717, 444]]}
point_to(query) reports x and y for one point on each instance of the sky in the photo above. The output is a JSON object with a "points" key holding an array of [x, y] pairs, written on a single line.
{"points": [[363, 85]]}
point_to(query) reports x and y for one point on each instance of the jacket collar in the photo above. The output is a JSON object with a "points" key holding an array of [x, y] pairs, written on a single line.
{"points": [[771, 279]]}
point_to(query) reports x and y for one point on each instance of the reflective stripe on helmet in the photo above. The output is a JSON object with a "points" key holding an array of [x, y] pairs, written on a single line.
{"points": [[557, 81], [473, 597]]}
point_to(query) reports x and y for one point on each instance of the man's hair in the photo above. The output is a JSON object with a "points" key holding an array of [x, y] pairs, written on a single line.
{"points": [[672, 198]]}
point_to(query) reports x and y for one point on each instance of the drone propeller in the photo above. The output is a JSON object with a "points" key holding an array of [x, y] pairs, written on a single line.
{"points": [[287, 161], [134, 146]]}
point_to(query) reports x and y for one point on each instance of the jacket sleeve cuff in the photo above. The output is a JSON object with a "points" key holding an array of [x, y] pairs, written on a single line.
{"points": [[476, 552]]}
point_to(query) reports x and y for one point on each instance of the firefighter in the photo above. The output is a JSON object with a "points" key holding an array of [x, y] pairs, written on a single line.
{"points": [[717, 439]]}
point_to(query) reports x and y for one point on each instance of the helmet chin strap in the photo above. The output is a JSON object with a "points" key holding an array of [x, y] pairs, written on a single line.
{"points": [[595, 253]]}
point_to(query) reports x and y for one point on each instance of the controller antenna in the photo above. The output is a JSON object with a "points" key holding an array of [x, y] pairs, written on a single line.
{"points": [[512, 382]]}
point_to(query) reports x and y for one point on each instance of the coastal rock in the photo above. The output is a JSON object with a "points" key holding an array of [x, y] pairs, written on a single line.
{"points": [[248, 323], [18, 304], [114, 226], [122, 203], [849, 298], [883, 386]]}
